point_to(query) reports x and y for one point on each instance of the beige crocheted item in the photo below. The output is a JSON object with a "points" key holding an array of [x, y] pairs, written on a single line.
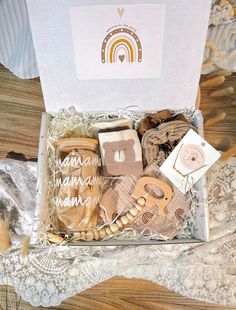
{"points": [[157, 143]]}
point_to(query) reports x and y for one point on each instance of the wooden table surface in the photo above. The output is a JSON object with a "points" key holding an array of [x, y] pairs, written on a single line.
{"points": [[21, 104]]}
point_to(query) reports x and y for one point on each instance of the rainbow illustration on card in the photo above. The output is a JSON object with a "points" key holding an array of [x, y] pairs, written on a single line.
{"points": [[121, 45]]}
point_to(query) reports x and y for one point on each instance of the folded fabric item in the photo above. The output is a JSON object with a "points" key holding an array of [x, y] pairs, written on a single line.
{"points": [[152, 120], [120, 128], [158, 143], [121, 153], [113, 123], [117, 200]]}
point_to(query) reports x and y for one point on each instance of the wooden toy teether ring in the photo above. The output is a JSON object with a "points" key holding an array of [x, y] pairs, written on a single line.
{"points": [[143, 197]]}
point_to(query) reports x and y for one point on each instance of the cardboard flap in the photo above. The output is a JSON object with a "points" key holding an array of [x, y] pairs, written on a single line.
{"points": [[106, 55]]}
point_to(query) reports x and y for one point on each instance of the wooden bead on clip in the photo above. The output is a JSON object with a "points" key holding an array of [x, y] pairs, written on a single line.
{"points": [[102, 233], [119, 223], [141, 201], [96, 235], [130, 217], [82, 235], [138, 207], [54, 238], [76, 236], [89, 236], [108, 231], [124, 220], [114, 227], [133, 211]]}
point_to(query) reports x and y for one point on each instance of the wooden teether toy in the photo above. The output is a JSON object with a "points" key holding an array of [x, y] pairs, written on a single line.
{"points": [[143, 197]]}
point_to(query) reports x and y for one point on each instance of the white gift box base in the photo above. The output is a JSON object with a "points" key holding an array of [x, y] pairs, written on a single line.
{"points": [[200, 229], [59, 46]]}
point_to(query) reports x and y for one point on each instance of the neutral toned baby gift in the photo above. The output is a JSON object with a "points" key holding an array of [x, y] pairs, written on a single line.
{"points": [[121, 154]]}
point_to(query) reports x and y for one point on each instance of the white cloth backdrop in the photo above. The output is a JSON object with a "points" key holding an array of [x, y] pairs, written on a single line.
{"points": [[16, 45], [204, 272]]}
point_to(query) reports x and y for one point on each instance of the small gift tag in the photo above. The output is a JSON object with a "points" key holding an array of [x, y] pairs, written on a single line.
{"points": [[189, 161]]}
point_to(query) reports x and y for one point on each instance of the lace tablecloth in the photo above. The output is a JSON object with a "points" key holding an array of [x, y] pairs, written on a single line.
{"points": [[205, 272]]}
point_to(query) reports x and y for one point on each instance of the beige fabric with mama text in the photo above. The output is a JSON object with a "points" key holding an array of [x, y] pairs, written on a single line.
{"points": [[80, 217], [117, 200]]}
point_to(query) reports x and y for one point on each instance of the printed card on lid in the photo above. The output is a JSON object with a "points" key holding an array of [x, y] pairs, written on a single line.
{"points": [[107, 55], [127, 43]]}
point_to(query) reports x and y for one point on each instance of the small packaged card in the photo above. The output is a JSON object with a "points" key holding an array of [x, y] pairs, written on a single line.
{"points": [[189, 161]]}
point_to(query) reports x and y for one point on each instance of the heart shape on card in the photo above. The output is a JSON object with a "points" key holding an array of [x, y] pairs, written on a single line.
{"points": [[120, 11], [121, 57]]}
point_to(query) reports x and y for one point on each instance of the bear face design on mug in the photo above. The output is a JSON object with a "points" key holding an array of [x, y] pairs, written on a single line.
{"points": [[121, 153]]}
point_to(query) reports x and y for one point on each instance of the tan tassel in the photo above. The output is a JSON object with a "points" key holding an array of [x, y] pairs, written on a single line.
{"points": [[5, 241], [215, 119], [209, 62], [228, 154], [213, 82], [198, 100], [219, 73], [233, 103], [25, 246], [222, 92]]}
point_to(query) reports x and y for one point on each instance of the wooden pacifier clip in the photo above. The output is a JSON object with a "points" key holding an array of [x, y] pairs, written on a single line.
{"points": [[142, 198]]}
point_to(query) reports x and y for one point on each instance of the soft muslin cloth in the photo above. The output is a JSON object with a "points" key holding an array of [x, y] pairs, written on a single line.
{"points": [[117, 199]]}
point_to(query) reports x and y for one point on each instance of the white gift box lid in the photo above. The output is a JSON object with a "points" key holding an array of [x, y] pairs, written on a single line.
{"points": [[181, 41]]}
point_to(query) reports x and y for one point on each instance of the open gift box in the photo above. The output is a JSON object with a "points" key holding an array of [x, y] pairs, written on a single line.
{"points": [[108, 55]]}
